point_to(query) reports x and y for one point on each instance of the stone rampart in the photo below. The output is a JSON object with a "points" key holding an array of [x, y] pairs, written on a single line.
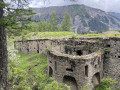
{"points": [[79, 61]]}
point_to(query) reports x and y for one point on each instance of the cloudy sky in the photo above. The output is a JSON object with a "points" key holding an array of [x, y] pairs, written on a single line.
{"points": [[106, 5]]}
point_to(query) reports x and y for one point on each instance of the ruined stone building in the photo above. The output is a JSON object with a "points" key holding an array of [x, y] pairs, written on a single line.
{"points": [[78, 61]]}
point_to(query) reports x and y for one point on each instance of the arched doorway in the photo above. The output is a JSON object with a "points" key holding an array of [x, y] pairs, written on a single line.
{"points": [[70, 81], [96, 79], [50, 72]]}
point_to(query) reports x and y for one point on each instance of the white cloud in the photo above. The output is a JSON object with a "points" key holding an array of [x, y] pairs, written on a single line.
{"points": [[107, 5]]}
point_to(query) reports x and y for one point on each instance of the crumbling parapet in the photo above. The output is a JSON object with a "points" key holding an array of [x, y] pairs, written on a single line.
{"points": [[79, 70]]}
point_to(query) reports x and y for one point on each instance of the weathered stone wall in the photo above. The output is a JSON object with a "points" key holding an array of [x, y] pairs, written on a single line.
{"points": [[112, 60], [73, 47], [78, 60], [80, 70], [36, 46]]}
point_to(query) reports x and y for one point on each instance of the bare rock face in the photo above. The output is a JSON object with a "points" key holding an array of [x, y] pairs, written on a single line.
{"points": [[82, 17], [117, 15]]}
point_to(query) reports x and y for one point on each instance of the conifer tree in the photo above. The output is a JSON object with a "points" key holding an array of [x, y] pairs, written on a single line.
{"points": [[10, 14], [54, 22], [66, 22]]}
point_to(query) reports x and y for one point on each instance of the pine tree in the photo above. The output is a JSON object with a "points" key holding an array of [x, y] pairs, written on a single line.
{"points": [[54, 22], [10, 19], [16, 18], [66, 22], [3, 53]]}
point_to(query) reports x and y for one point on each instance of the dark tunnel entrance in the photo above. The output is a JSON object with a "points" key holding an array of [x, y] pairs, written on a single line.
{"points": [[79, 52], [70, 81], [50, 72]]}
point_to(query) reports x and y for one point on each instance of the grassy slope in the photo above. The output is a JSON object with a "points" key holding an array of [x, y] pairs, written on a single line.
{"points": [[29, 72], [32, 59]]}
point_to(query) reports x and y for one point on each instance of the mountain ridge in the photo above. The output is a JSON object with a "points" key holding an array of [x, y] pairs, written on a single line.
{"points": [[82, 17], [115, 14]]}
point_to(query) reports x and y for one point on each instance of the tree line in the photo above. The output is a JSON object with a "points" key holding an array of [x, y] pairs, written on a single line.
{"points": [[50, 25]]}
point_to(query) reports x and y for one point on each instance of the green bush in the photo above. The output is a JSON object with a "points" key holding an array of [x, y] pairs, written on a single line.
{"points": [[107, 84], [85, 87], [56, 86]]}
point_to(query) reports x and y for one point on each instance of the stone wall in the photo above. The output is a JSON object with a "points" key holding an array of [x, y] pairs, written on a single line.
{"points": [[112, 60], [36, 46], [78, 70], [79, 61]]}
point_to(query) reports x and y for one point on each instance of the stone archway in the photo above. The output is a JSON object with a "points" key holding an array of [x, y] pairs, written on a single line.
{"points": [[70, 81], [96, 79], [50, 71]]}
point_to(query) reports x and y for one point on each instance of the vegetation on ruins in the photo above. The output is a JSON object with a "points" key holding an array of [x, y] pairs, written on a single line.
{"points": [[99, 41], [28, 71]]}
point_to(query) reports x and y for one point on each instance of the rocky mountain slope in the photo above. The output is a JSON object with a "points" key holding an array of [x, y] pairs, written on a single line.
{"points": [[82, 17], [117, 15]]}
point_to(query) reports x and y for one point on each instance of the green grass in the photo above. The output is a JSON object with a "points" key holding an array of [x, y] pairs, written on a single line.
{"points": [[55, 34], [29, 72], [93, 34], [31, 59], [102, 34], [38, 35], [65, 34], [33, 63]]}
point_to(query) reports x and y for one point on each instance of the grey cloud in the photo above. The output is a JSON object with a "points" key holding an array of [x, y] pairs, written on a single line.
{"points": [[106, 5]]}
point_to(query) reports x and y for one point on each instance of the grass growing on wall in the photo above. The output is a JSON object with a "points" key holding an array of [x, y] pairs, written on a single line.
{"points": [[65, 34], [55, 34], [38, 35]]}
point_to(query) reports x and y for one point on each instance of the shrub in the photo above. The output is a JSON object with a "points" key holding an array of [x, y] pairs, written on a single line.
{"points": [[107, 84], [56, 86]]}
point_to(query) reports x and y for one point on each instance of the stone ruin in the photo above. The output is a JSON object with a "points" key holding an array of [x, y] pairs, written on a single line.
{"points": [[78, 61]]}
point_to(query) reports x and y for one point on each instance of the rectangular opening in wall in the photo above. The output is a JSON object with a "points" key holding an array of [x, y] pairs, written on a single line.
{"points": [[69, 69], [79, 52], [27, 50], [108, 45], [37, 48], [50, 61], [66, 51], [119, 57], [86, 70], [55, 66], [37, 51]]}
